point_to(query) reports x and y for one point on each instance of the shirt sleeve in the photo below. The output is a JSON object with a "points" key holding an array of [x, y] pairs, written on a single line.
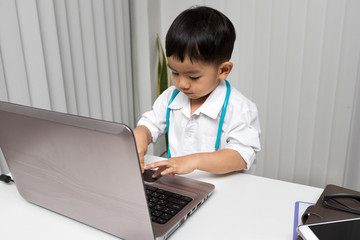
{"points": [[243, 133], [155, 119]]}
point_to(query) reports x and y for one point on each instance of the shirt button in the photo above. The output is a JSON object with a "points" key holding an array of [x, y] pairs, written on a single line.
{"points": [[188, 134]]}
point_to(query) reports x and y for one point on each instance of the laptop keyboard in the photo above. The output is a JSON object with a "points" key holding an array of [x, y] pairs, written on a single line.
{"points": [[163, 204]]}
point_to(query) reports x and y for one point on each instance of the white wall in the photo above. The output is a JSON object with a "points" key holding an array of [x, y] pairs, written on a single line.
{"points": [[352, 176], [146, 24], [298, 61]]}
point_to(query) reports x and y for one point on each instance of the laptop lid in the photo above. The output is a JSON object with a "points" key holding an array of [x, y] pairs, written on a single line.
{"points": [[82, 168], [88, 170]]}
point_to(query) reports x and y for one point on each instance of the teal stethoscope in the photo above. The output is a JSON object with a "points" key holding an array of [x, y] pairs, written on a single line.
{"points": [[223, 112]]}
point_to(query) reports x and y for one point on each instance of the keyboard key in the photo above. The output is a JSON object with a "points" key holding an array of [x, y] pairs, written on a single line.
{"points": [[166, 216], [161, 221], [162, 202], [158, 207], [154, 200], [163, 197], [169, 211], [174, 206], [161, 191], [151, 204], [155, 194], [178, 201], [176, 195], [157, 213]]}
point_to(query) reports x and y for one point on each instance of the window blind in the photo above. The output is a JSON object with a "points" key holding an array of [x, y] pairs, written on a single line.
{"points": [[68, 55]]}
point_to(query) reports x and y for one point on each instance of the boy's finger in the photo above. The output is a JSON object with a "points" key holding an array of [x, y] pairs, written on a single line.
{"points": [[157, 172], [141, 159], [157, 164], [169, 171]]}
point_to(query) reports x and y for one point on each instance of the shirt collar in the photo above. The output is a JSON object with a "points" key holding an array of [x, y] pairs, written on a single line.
{"points": [[211, 107]]}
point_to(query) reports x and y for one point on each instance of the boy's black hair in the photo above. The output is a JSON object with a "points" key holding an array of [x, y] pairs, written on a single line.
{"points": [[201, 33]]}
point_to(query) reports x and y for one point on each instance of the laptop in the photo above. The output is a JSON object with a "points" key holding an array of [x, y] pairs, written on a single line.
{"points": [[88, 170]]}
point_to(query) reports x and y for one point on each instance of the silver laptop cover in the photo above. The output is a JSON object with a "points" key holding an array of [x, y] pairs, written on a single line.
{"points": [[88, 170], [90, 176]]}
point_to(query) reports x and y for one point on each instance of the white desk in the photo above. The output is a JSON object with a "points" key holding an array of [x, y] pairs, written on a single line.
{"points": [[243, 206]]}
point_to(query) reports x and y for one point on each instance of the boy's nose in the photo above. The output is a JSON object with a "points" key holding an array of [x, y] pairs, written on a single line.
{"points": [[183, 83]]}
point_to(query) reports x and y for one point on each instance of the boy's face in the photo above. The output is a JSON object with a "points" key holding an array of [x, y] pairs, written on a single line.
{"points": [[195, 79]]}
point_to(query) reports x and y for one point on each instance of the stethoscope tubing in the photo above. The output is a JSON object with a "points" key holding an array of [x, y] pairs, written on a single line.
{"points": [[222, 116]]}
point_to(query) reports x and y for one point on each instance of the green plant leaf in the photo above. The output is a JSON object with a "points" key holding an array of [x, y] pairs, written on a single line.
{"points": [[163, 73], [162, 69]]}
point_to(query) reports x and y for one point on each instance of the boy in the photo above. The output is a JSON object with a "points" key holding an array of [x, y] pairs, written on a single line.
{"points": [[198, 46]]}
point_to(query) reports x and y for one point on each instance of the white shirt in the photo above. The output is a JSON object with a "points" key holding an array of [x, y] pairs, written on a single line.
{"points": [[197, 132]]}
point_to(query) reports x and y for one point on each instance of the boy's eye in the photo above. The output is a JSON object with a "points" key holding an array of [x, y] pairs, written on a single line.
{"points": [[194, 78], [175, 73]]}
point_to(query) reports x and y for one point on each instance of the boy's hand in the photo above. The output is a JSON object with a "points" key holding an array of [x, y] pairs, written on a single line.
{"points": [[172, 166], [219, 162], [143, 138]]}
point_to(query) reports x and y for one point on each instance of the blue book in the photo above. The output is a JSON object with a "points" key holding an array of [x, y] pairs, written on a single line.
{"points": [[300, 208]]}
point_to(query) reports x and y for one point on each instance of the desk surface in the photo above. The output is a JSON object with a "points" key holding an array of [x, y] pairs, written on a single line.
{"points": [[242, 206]]}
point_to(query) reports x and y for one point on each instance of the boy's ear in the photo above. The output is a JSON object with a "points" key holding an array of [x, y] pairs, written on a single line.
{"points": [[225, 69]]}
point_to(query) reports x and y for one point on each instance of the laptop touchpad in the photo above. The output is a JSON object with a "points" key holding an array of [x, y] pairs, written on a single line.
{"points": [[148, 176]]}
